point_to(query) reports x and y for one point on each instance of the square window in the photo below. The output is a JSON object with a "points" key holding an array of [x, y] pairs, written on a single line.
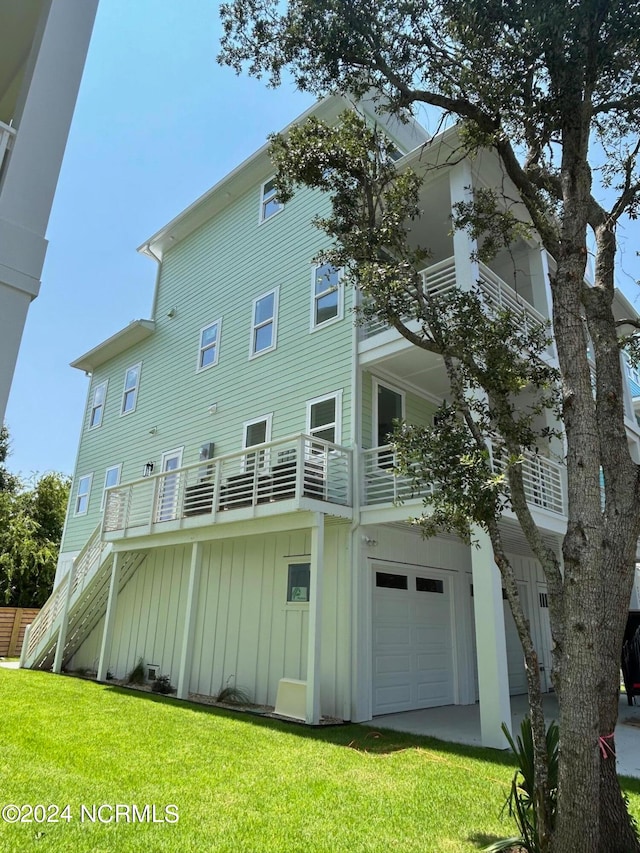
{"points": [[327, 295], [208, 352], [130, 393], [298, 582], [269, 204], [264, 324], [97, 405], [82, 495]]}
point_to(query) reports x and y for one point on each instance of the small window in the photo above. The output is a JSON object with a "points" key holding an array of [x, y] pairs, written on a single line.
{"points": [[209, 345], [111, 478], [323, 417], [326, 295], [82, 495], [269, 204], [388, 581], [298, 582], [264, 323], [130, 393], [97, 405], [429, 585]]}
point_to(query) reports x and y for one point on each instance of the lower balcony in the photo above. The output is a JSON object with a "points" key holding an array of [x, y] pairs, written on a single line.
{"points": [[299, 473]]}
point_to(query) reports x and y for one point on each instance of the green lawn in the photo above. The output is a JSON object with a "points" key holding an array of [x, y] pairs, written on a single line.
{"points": [[240, 783]]}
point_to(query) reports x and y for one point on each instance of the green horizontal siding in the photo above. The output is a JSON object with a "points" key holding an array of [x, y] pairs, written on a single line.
{"points": [[216, 273]]}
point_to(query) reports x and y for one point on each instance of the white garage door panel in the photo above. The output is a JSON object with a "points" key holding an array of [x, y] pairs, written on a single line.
{"points": [[392, 635], [392, 664], [412, 645]]}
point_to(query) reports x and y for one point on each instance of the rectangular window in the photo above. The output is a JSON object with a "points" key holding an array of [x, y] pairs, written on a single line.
{"points": [[130, 393], [97, 405], [323, 417], [82, 495], [111, 478], [429, 585], [269, 204], [298, 582], [264, 323], [209, 345], [255, 432], [326, 294], [389, 581]]}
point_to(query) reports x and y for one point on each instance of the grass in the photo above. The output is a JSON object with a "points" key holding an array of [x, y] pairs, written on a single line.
{"points": [[241, 784]]}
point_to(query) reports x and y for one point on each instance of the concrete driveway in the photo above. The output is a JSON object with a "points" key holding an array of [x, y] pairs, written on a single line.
{"points": [[461, 724]]}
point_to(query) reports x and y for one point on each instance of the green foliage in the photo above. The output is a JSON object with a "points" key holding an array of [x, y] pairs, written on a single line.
{"points": [[162, 684], [138, 674], [8, 482], [520, 802], [31, 523]]}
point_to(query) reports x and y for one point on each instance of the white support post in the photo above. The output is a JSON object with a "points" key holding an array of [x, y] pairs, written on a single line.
{"points": [[464, 247], [25, 646], [315, 621], [491, 646], [189, 622], [62, 631], [110, 617]]}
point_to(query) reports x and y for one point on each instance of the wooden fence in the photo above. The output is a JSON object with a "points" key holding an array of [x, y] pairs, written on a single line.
{"points": [[13, 621]]}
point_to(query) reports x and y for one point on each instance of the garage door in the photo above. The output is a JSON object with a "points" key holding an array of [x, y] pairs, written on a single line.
{"points": [[412, 640]]}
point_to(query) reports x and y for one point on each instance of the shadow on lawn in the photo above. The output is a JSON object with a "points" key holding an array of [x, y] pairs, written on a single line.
{"points": [[358, 736]]}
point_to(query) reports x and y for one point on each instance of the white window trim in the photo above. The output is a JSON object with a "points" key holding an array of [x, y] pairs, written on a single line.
{"points": [[261, 217], [267, 432], [117, 468], [314, 327], [335, 395], [374, 405], [254, 326], [104, 403], [82, 494], [217, 323], [124, 389]]}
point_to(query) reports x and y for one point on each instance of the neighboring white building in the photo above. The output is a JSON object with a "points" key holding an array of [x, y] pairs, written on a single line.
{"points": [[43, 46]]}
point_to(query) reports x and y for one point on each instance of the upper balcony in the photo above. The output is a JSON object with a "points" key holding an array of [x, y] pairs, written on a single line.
{"points": [[443, 277], [298, 473]]}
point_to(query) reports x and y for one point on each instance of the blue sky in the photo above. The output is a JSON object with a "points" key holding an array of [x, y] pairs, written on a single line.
{"points": [[157, 123]]}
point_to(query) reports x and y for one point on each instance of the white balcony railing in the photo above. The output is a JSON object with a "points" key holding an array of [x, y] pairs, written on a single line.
{"points": [[7, 135], [289, 469], [440, 278], [543, 482]]}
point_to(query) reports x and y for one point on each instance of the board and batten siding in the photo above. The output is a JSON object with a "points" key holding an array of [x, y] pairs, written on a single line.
{"points": [[418, 410], [215, 274], [246, 634]]}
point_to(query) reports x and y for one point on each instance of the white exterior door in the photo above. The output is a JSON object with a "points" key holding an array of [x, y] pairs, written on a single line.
{"points": [[515, 655], [169, 486], [412, 639]]}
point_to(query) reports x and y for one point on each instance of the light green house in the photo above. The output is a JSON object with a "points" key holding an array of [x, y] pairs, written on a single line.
{"points": [[234, 516]]}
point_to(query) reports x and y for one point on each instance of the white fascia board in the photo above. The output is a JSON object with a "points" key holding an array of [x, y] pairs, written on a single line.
{"points": [[134, 333]]}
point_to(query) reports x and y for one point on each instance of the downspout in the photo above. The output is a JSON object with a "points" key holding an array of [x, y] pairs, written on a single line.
{"points": [[149, 251], [354, 546]]}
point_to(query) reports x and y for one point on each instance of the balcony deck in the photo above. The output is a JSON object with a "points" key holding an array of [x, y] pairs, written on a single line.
{"points": [[441, 278], [293, 474], [384, 490]]}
